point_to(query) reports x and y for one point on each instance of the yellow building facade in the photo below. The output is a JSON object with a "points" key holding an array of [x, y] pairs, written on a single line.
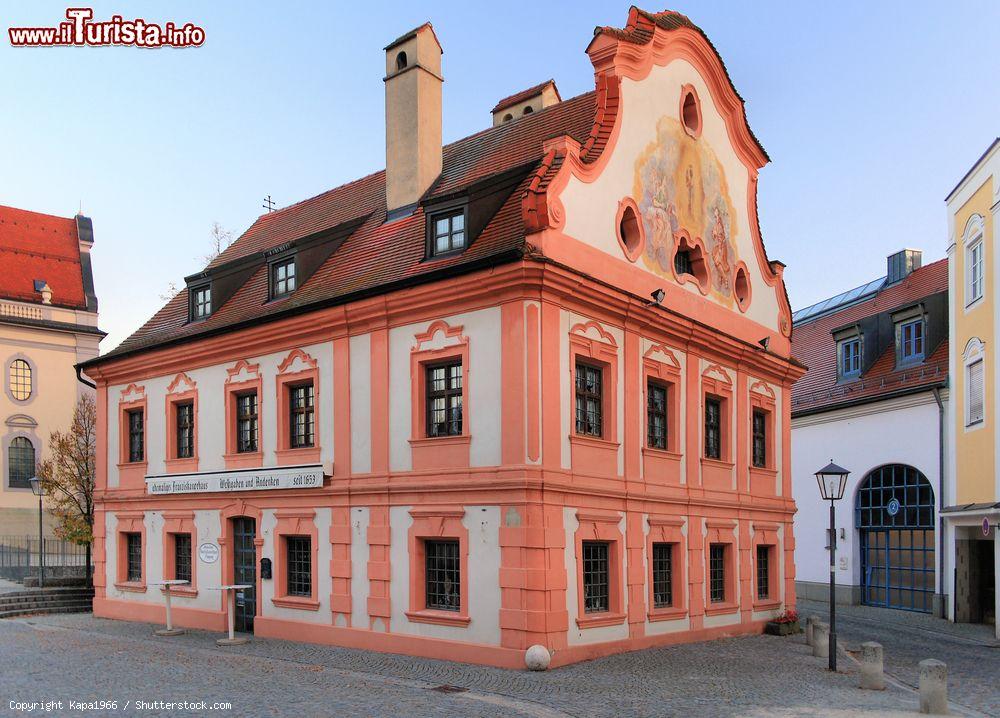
{"points": [[972, 495]]}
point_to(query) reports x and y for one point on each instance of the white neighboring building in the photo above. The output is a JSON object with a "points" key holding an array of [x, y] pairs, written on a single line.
{"points": [[874, 401]]}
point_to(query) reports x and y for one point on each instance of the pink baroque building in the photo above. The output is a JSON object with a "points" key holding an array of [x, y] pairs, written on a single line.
{"points": [[531, 387]]}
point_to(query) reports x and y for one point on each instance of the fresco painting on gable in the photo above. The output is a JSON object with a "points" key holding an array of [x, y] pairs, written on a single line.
{"points": [[682, 187]]}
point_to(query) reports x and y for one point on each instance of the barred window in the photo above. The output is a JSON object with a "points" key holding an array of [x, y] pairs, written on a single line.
{"points": [[656, 416], [282, 278], [185, 430], [20, 463], [663, 554], [763, 572], [182, 557], [136, 435], [589, 400], [713, 428], [682, 262], [246, 422], [759, 438], [302, 416], [717, 572], [299, 555], [444, 399], [20, 379], [133, 555], [596, 590], [448, 232], [442, 575]]}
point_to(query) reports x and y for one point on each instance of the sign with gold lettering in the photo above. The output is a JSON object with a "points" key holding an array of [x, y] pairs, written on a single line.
{"points": [[283, 477]]}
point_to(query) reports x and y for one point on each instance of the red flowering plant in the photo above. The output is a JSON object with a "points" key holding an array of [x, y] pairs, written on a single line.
{"points": [[786, 617]]}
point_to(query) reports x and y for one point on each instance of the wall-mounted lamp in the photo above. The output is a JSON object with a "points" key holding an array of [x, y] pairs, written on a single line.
{"points": [[658, 296], [765, 342]]}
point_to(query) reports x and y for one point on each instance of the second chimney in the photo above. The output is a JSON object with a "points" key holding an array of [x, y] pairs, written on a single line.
{"points": [[412, 118], [900, 264]]}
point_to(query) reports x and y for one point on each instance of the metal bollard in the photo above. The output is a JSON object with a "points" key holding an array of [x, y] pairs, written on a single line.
{"points": [[872, 676], [821, 639], [810, 622], [933, 687]]}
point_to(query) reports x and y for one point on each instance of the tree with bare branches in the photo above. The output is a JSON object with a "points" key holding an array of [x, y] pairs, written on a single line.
{"points": [[68, 477]]}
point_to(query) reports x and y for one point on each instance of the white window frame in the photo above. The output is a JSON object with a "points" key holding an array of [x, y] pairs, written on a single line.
{"points": [[975, 272], [974, 355]]}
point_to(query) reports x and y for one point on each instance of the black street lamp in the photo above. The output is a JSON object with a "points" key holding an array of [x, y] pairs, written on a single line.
{"points": [[38, 490], [832, 480]]}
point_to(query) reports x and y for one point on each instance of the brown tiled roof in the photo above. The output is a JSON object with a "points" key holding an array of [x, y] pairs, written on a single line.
{"points": [[813, 344], [523, 95], [40, 246]]}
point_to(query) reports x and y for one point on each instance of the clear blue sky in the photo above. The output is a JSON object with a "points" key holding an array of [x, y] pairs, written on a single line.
{"points": [[871, 113]]}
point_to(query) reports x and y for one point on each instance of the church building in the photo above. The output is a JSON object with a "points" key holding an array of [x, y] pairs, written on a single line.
{"points": [[532, 387]]}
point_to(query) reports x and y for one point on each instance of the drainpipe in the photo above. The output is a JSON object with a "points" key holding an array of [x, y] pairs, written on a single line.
{"points": [[79, 378], [941, 499]]}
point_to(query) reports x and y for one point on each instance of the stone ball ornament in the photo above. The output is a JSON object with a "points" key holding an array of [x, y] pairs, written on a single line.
{"points": [[537, 658]]}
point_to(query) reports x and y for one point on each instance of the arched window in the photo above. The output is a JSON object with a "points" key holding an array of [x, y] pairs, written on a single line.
{"points": [[401, 61], [20, 463], [19, 380], [528, 110], [508, 117]]}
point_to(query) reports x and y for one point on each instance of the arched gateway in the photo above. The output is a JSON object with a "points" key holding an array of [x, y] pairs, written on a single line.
{"points": [[894, 515]]}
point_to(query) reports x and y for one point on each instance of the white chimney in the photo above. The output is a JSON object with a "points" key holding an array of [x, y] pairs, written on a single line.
{"points": [[412, 118]]}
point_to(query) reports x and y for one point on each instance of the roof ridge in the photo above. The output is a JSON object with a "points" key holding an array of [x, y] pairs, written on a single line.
{"points": [[40, 214]]}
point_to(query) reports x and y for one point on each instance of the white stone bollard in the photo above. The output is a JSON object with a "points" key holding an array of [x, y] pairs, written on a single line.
{"points": [[933, 687], [810, 622], [537, 658], [821, 639], [872, 676]]}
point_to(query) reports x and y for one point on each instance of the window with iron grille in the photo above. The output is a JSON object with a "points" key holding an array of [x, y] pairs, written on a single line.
{"points": [[759, 438], [20, 380], [136, 435], [133, 555], [911, 341], [282, 278], [596, 589], [182, 557], [201, 302], [299, 554], [713, 428], [302, 416], [763, 572], [246, 422], [850, 358], [448, 232], [589, 400], [185, 430], [682, 263], [444, 399], [442, 575], [656, 416], [717, 572], [663, 554], [20, 463]]}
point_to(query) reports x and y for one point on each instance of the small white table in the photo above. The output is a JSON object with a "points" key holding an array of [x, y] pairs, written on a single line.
{"points": [[170, 630], [232, 640]]}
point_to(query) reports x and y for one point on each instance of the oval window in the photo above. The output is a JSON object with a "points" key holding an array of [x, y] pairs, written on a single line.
{"points": [[741, 287], [691, 111], [630, 232], [20, 380]]}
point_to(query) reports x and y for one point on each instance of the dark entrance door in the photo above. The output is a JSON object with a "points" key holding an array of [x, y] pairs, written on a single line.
{"points": [[245, 571], [894, 514]]}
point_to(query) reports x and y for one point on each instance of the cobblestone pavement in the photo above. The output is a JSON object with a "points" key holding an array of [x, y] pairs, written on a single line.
{"points": [[970, 650], [79, 657]]}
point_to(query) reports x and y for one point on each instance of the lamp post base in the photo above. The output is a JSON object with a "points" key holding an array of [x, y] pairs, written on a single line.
{"points": [[169, 632], [237, 641]]}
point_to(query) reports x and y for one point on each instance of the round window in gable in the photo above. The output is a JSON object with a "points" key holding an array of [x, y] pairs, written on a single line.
{"points": [[401, 61], [630, 232], [741, 287], [690, 111]]}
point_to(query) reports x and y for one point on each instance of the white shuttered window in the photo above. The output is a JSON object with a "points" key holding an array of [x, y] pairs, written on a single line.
{"points": [[975, 392]]}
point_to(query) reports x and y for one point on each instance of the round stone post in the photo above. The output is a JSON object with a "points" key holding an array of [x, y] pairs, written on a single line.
{"points": [[872, 676], [810, 622], [933, 687], [821, 640]]}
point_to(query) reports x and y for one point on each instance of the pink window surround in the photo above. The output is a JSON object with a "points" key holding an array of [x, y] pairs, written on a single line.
{"points": [[766, 534], [664, 529], [690, 111], [721, 532], [699, 270], [130, 522], [598, 526], [284, 382], [742, 289], [436, 452], [179, 522], [662, 466], [295, 522], [132, 474], [717, 474], [591, 454], [763, 480], [430, 523], [629, 229], [182, 390], [232, 389]]}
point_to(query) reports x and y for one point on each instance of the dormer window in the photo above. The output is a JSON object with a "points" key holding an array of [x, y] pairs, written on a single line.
{"points": [[447, 232], [282, 278], [849, 358], [911, 341], [201, 301]]}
